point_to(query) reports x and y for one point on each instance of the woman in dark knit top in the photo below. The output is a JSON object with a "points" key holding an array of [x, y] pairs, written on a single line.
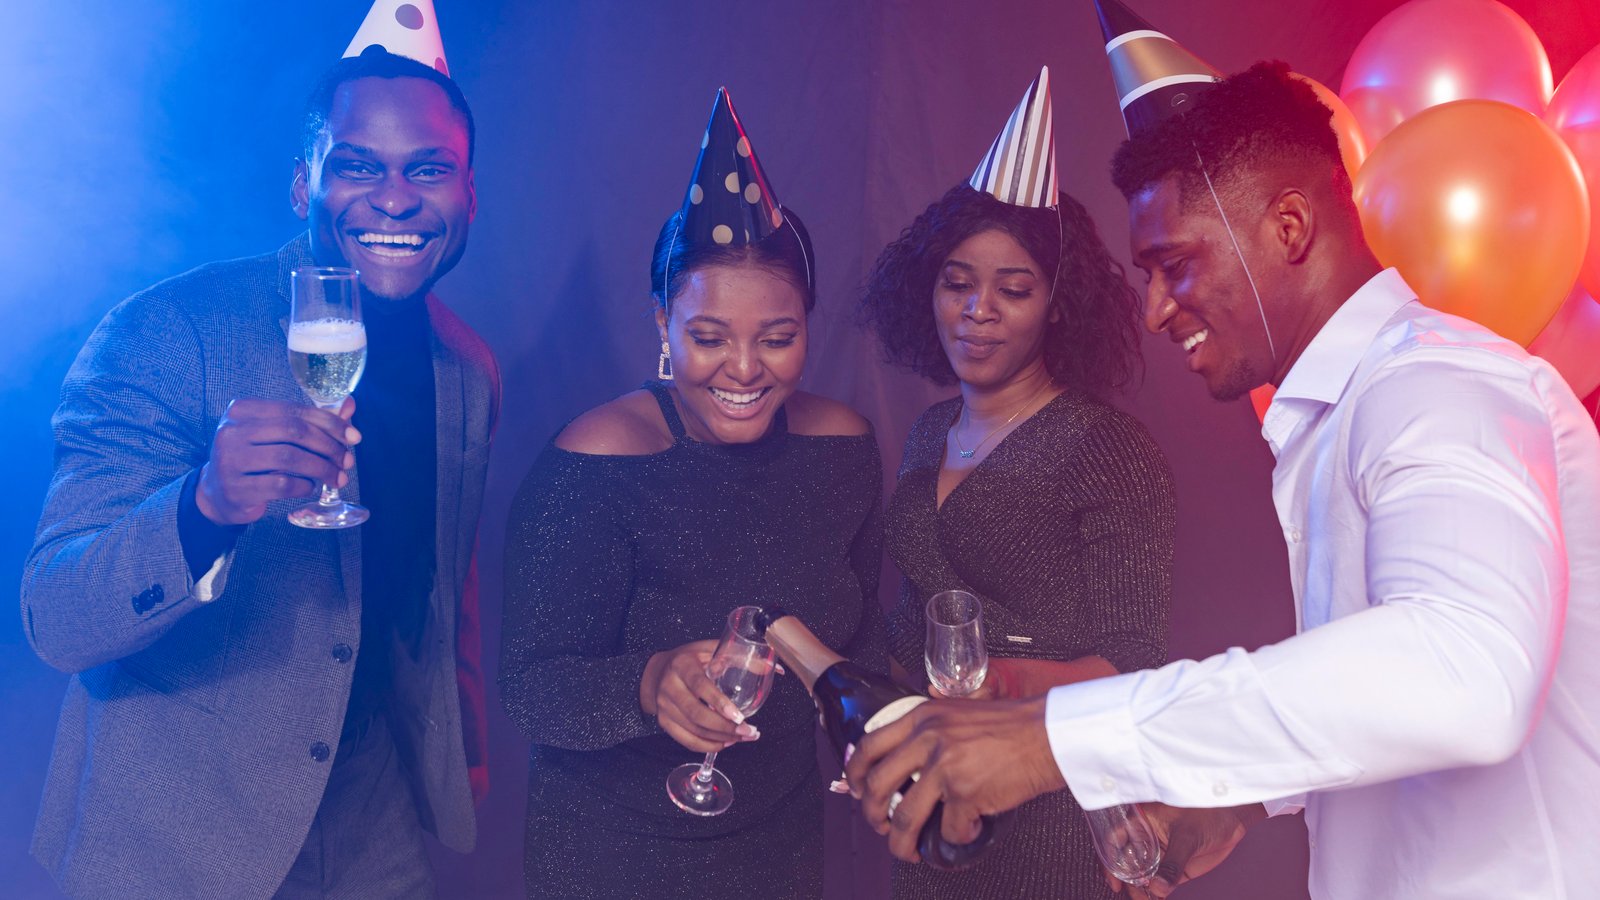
{"points": [[642, 524], [1027, 489]]}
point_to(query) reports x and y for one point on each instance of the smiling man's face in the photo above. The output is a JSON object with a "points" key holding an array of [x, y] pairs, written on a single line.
{"points": [[388, 186]]}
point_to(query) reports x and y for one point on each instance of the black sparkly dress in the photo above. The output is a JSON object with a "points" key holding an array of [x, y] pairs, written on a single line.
{"points": [[610, 559], [1065, 533]]}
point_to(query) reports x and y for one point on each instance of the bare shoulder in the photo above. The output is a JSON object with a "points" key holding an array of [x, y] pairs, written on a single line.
{"points": [[630, 425], [814, 415]]}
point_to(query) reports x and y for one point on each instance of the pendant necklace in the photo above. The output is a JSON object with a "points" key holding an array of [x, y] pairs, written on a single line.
{"points": [[956, 432]]}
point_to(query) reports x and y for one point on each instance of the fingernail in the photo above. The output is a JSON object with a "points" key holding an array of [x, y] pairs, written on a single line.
{"points": [[782, 670], [733, 713], [349, 460], [894, 803], [729, 744], [344, 478], [839, 786], [352, 436], [849, 751], [750, 732]]}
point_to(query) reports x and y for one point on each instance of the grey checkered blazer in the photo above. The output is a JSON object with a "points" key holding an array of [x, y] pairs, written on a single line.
{"points": [[186, 757]]}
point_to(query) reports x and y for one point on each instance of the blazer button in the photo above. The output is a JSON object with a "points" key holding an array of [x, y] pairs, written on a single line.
{"points": [[341, 653], [319, 751]]}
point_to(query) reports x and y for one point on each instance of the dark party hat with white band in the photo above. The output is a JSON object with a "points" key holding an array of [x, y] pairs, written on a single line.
{"points": [[730, 202], [1155, 77], [1020, 168], [405, 28]]}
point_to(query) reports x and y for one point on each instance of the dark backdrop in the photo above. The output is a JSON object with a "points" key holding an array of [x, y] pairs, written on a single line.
{"points": [[146, 138]]}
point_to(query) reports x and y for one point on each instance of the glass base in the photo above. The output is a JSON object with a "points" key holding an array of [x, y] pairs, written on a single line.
{"points": [[338, 515], [710, 797]]}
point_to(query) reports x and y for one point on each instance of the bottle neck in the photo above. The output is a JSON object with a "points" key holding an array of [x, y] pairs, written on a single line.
{"points": [[806, 656]]}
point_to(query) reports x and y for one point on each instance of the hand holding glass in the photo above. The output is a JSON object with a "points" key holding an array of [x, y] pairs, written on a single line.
{"points": [[954, 653], [1125, 842], [742, 668], [327, 351]]}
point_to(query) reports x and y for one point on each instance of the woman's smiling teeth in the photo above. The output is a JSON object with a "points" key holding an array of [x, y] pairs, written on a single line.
{"points": [[738, 401], [396, 245], [1195, 340]]}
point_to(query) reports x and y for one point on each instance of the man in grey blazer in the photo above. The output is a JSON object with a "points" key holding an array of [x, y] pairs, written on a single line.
{"points": [[257, 709]]}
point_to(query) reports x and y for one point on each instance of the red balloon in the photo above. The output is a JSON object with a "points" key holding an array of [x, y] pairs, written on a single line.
{"points": [[1429, 52], [1483, 210], [1571, 342], [1575, 115]]}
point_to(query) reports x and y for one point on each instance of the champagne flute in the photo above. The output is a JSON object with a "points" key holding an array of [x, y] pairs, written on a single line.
{"points": [[954, 655], [327, 351], [742, 668], [1125, 842]]}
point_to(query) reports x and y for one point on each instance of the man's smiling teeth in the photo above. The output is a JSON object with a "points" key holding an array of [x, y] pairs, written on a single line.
{"points": [[384, 244], [738, 399], [1194, 340]]}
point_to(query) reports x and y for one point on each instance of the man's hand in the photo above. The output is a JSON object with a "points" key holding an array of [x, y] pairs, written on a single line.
{"points": [[268, 450], [688, 705], [979, 758], [1193, 842]]}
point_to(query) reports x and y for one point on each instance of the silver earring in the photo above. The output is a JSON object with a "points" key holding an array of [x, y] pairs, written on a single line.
{"points": [[664, 363]]}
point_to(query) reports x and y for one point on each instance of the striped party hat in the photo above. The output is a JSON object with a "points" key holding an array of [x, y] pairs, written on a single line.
{"points": [[406, 28], [1020, 168], [1154, 75], [730, 201]]}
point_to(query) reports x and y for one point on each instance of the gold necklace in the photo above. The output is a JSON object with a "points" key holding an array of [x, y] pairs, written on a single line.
{"points": [[956, 432]]}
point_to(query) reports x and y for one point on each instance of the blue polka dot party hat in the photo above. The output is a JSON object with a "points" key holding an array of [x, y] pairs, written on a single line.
{"points": [[730, 201], [1020, 168], [1155, 77], [403, 27]]}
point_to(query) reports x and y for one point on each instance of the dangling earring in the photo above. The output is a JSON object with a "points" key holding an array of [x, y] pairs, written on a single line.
{"points": [[664, 364]]}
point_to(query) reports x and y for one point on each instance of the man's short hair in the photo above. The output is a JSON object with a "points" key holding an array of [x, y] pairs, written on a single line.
{"points": [[1254, 120], [375, 63]]}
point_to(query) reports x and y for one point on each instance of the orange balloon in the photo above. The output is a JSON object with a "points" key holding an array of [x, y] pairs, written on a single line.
{"points": [[1482, 208], [1575, 115], [1352, 146]]}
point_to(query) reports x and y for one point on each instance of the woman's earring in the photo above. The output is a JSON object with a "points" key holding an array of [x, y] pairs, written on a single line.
{"points": [[664, 363]]}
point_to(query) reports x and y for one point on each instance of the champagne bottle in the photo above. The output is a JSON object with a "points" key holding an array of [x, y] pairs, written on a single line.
{"points": [[851, 703]]}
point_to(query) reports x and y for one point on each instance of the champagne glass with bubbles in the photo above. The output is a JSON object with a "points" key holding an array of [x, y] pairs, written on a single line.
{"points": [[327, 351], [742, 668], [954, 654]]}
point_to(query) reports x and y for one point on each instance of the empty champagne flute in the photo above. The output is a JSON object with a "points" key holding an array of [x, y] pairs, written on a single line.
{"points": [[742, 668], [327, 351], [954, 654], [1125, 842]]}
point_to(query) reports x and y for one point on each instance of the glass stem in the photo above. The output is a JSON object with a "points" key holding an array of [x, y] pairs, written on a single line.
{"points": [[706, 768], [330, 496]]}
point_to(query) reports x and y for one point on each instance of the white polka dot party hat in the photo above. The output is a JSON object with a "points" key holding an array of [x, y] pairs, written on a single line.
{"points": [[1155, 76], [403, 27], [1020, 168], [730, 201]]}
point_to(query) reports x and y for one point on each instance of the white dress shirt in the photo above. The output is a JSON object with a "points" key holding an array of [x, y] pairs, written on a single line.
{"points": [[1439, 709]]}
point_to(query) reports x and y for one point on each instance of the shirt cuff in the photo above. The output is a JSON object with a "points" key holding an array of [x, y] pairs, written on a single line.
{"points": [[1096, 743], [205, 543], [1285, 806]]}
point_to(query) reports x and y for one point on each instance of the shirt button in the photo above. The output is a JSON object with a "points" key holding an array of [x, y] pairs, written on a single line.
{"points": [[1294, 534], [319, 751], [1220, 789], [1108, 783], [341, 653]]}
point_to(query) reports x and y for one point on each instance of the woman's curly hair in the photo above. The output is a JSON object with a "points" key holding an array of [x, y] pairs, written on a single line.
{"points": [[1093, 344]]}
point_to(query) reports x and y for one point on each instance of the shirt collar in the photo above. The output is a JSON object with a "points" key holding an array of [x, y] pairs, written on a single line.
{"points": [[1324, 368]]}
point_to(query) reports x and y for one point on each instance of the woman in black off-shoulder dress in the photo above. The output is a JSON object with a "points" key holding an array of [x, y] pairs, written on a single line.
{"points": [[643, 524]]}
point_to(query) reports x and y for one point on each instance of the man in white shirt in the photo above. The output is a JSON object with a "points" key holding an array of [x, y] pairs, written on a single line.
{"points": [[1438, 715]]}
